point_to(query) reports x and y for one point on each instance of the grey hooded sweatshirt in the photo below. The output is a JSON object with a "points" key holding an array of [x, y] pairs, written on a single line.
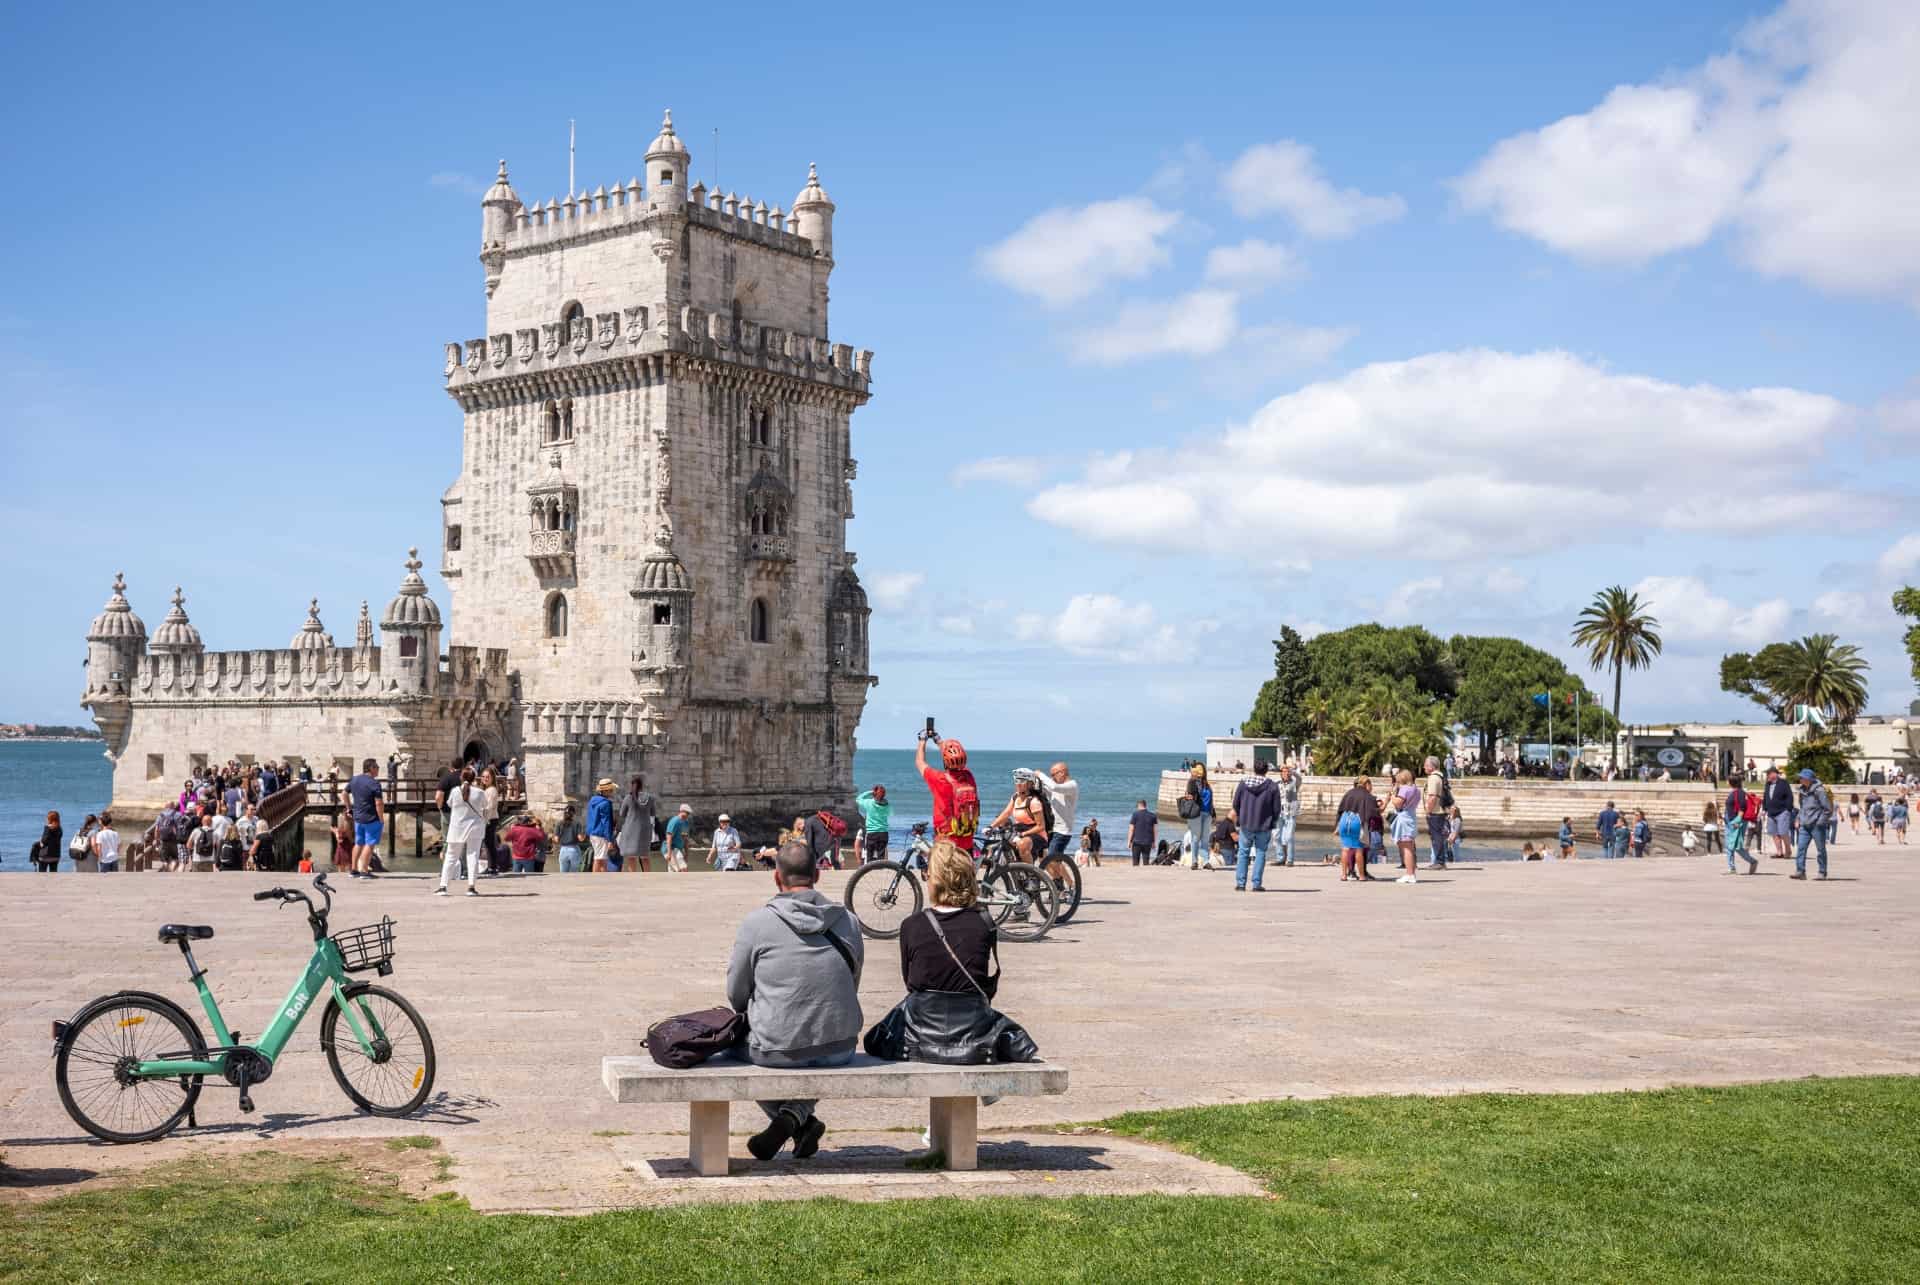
{"points": [[800, 998]]}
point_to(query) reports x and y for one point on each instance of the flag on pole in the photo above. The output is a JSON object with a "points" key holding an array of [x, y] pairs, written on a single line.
{"points": [[1542, 699]]}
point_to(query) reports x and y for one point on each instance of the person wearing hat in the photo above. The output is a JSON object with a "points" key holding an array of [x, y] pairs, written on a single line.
{"points": [[726, 846], [678, 829], [600, 825], [1776, 804], [1816, 813], [524, 838]]}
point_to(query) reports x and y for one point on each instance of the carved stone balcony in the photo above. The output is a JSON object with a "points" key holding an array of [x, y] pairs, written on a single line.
{"points": [[770, 548], [551, 553]]}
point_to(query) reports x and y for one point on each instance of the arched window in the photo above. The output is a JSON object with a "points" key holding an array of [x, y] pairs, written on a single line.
{"points": [[566, 420], [557, 616], [763, 427], [550, 422], [570, 316], [757, 626]]}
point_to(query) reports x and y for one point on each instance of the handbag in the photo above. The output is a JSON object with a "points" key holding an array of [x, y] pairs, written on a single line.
{"points": [[992, 987], [691, 1038], [1189, 807]]}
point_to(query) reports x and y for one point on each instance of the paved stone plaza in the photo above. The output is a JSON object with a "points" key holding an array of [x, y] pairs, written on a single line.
{"points": [[1171, 990]]}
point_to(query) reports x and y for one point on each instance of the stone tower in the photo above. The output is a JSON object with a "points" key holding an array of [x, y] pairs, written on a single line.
{"points": [[655, 483]]}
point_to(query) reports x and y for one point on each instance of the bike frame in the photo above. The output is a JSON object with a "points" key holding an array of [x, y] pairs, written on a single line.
{"points": [[324, 977]]}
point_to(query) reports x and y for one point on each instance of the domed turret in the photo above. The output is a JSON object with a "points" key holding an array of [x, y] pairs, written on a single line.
{"points": [[498, 209], [115, 642], [313, 635], [667, 164], [176, 633], [663, 602], [410, 635], [813, 214], [847, 614]]}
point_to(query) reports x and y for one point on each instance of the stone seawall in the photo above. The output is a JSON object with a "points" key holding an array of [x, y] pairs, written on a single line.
{"points": [[1492, 808]]}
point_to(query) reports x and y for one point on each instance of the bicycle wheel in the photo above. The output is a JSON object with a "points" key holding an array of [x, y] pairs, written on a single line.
{"points": [[93, 1064], [882, 896], [1020, 900], [1065, 874], [399, 1075]]}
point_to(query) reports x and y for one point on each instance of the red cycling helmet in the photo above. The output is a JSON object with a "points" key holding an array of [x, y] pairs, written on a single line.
{"points": [[953, 753]]}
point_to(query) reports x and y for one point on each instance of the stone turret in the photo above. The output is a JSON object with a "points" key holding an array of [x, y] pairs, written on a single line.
{"points": [[667, 165], [663, 604], [847, 615], [499, 210], [813, 214], [115, 642], [176, 634], [410, 635], [313, 635]]}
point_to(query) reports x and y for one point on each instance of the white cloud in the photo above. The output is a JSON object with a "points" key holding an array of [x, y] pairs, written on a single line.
{"points": [[892, 591], [1195, 324], [1501, 442], [1282, 178], [1846, 608], [1065, 254], [1799, 140], [1102, 626], [1505, 582], [1405, 602], [1901, 557], [1007, 469], [1689, 611], [1252, 264]]}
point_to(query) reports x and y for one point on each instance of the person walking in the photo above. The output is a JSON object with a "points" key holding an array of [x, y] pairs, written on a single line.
{"points": [[725, 853], [1196, 809], [600, 833], [1436, 799], [679, 834], [1642, 834], [876, 819], [633, 825], [1710, 825], [1739, 803], [1140, 830], [53, 836], [369, 818], [467, 808], [1256, 805], [1853, 812], [1816, 810], [1406, 805], [1090, 842], [1777, 803]]}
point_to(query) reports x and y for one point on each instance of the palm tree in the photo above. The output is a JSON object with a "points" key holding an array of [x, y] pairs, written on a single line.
{"points": [[1823, 672], [1615, 631]]}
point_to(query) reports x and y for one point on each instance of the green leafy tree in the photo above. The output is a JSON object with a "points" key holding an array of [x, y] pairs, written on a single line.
{"points": [[1823, 672], [1757, 677], [1498, 678], [1407, 657], [1829, 754], [1616, 632], [1907, 603], [1280, 709], [1380, 723]]}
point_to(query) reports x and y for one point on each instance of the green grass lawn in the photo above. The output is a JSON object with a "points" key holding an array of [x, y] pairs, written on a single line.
{"points": [[1814, 1180]]}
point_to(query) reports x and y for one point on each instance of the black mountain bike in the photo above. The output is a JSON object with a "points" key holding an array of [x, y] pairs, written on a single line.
{"points": [[1020, 901]]}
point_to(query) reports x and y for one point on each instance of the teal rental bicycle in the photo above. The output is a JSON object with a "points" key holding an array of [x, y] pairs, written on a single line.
{"points": [[130, 1065]]}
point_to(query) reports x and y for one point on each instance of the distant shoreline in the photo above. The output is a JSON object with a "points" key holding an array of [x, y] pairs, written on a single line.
{"points": [[51, 740]]}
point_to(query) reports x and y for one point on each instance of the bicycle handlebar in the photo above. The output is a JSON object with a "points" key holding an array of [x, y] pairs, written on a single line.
{"points": [[271, 894]]}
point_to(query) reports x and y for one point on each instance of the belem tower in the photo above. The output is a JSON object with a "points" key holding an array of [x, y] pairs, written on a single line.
{"points": [[645, 546]]}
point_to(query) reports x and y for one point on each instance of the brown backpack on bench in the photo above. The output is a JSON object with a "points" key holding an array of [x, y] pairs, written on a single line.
{"points": [[691, 1038]]}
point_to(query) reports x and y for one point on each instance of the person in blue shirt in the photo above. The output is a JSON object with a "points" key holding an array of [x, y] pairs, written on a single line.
{"points": [[1604, 826], [369, 818], [600, 826], [675, 848], [1566, 837], [1642, 834]]}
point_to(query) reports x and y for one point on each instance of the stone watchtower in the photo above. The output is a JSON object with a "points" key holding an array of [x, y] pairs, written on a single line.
{"points": [[654, 489]]}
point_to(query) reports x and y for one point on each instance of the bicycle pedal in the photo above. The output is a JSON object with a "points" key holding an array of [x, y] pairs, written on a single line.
{"points": [[246, 1104]]}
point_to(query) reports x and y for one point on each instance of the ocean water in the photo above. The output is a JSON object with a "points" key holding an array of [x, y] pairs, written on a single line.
{"points": [[73, 778]]}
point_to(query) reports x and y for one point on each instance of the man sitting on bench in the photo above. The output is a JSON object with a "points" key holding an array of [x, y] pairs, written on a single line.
{"points": [[795, 973]]}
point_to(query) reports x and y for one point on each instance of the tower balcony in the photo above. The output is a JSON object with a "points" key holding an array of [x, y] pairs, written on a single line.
{"points": [[551, 553], [770, 548]]}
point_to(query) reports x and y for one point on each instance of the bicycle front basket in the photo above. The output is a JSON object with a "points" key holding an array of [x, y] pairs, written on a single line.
{"points": [[370, 947]]}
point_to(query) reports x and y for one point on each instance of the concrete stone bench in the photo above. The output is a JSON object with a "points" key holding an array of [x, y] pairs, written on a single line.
{"points": [[953, 1094]]}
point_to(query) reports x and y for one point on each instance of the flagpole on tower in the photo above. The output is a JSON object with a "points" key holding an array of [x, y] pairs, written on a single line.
{"points": [[569, 158]]}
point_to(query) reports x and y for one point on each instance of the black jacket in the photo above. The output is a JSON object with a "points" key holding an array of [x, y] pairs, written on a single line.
{"points": [[1779, 797]]}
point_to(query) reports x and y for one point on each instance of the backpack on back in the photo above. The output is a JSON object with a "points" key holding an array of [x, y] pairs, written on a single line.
{"points": [[1752, 809], [204, 847]]}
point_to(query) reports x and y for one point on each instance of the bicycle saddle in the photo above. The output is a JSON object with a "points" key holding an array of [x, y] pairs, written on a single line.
{"points": [[185, 932]]}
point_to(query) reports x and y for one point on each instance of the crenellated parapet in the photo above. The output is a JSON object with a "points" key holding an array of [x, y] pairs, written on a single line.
{"points": [[306, 675], [634, 344]]}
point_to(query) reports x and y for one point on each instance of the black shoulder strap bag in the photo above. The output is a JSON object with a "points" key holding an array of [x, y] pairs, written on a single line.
{"points": [[992, 987]]}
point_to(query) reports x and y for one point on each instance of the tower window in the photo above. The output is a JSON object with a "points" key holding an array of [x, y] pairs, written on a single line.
{"points": [[757, 626], [572, 316], [453, 538], [662, 613], [666, 176], [763, 428], [409, 647], [557, 616]]}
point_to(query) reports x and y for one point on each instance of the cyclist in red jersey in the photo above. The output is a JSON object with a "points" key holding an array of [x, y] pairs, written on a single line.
{"points": [[956, 796]]}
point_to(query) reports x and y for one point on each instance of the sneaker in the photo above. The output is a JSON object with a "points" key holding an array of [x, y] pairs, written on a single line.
{"points": [[473, 892], [1239, 887], [766, 1144], [1256, 888], [1406, 879], [441, 891], [1820, 878], [1796, 876], [806, 1141]]}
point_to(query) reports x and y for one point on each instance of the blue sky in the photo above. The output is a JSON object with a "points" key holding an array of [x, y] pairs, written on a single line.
{"points": [[1181, 332]]}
